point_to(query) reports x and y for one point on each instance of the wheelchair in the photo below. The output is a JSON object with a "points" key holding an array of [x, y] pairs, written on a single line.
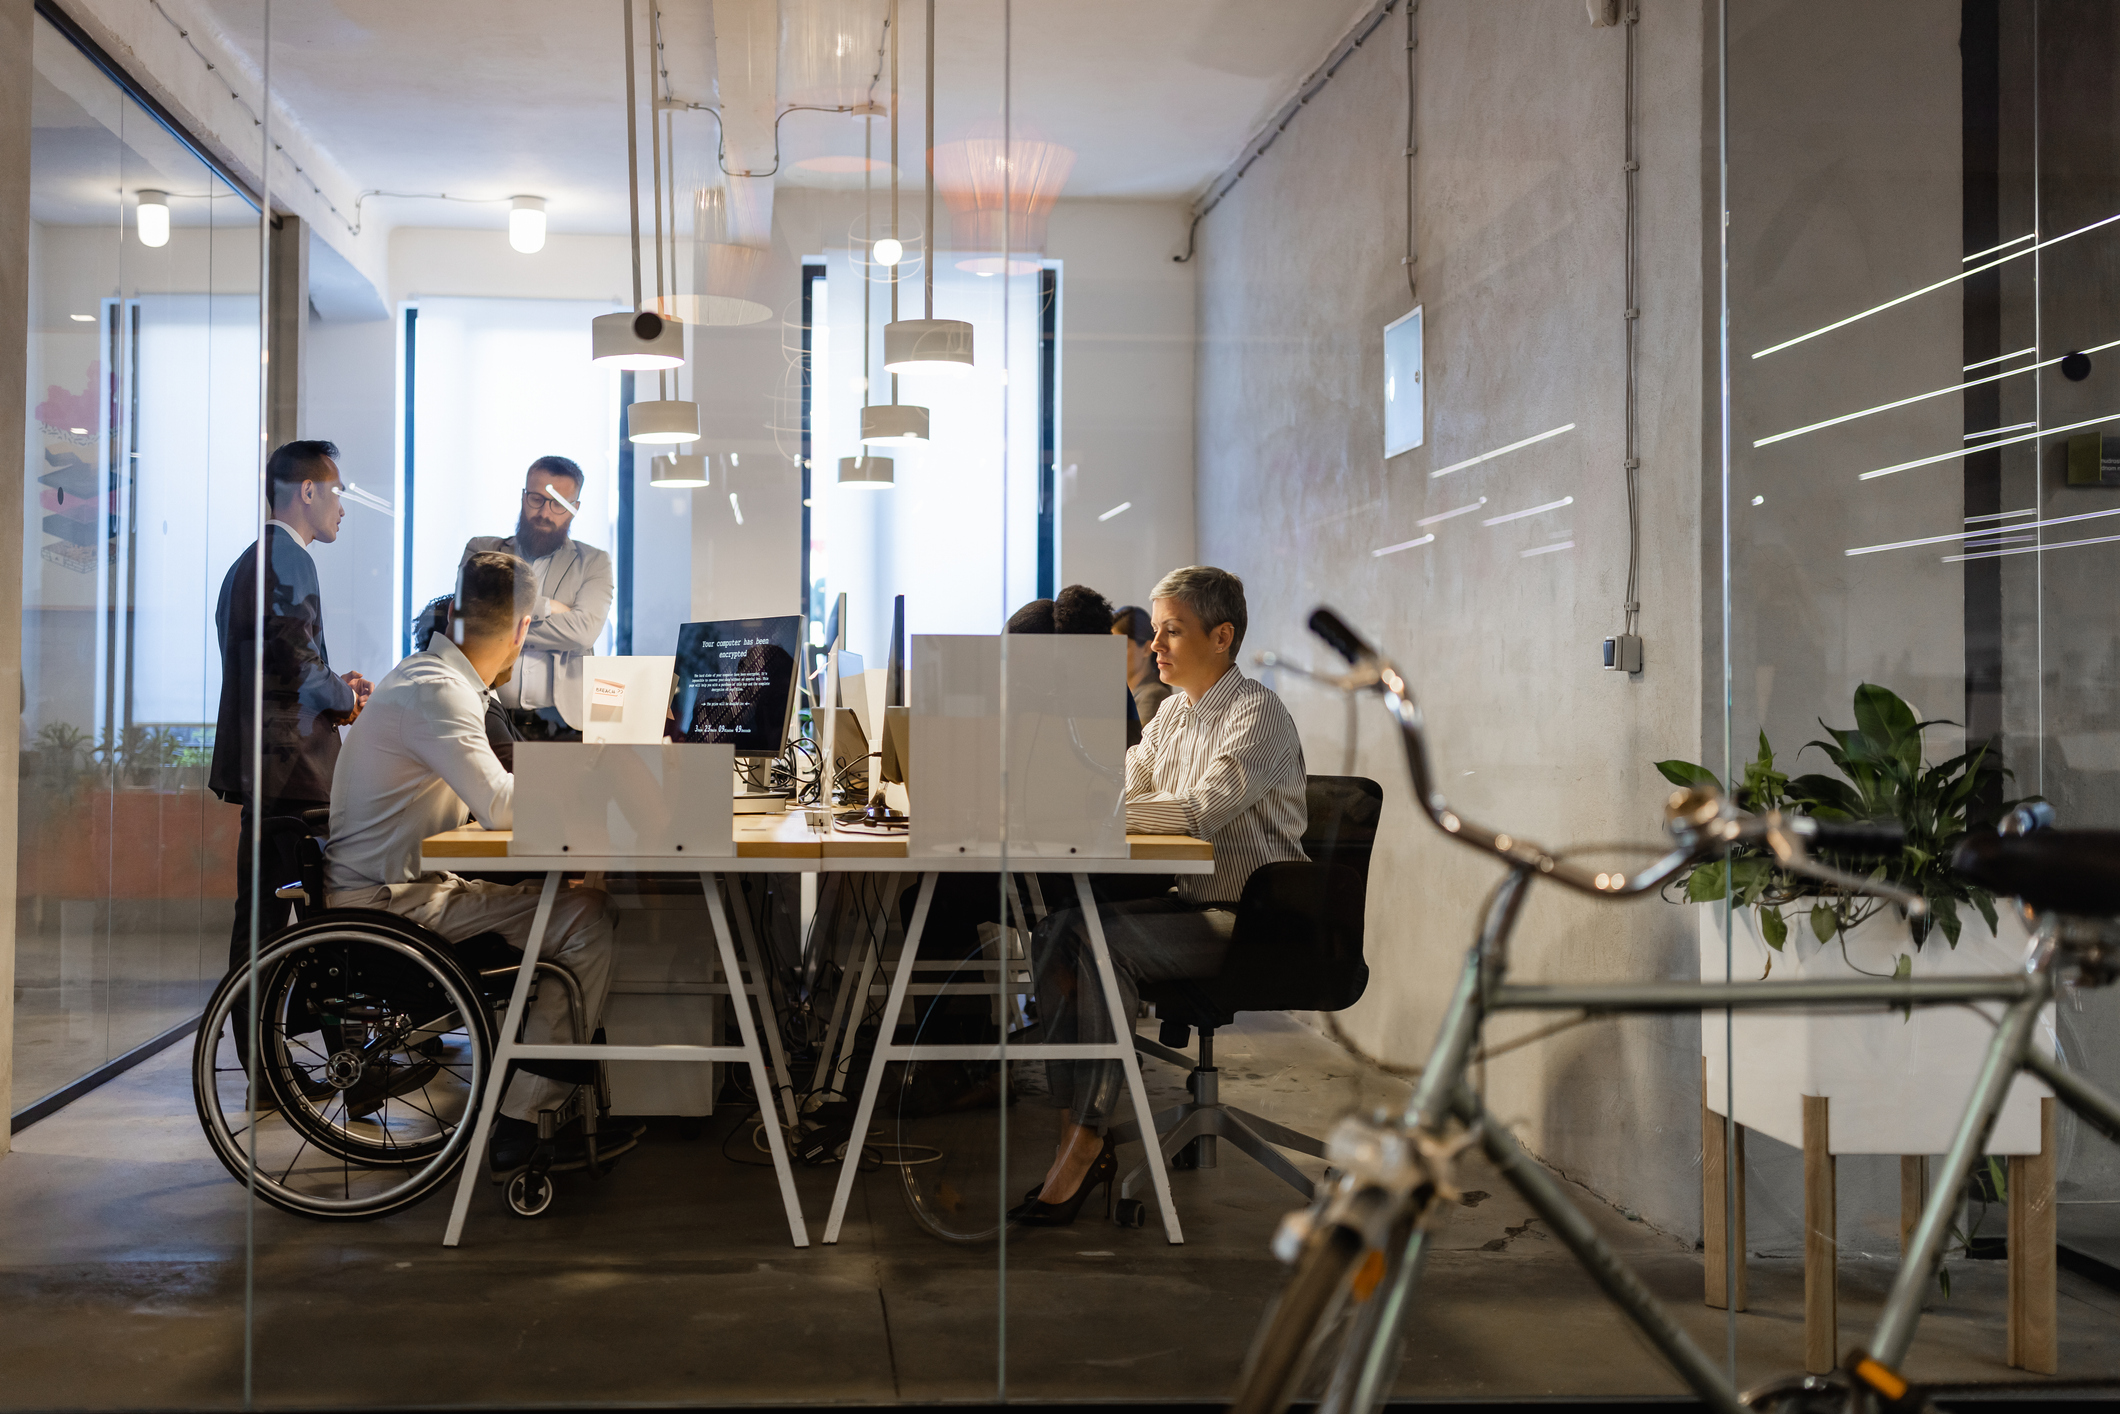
{"points": [[374, 1042]]}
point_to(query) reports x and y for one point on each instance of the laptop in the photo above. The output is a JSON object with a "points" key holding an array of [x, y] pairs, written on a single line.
{"points": [[627, 700]]}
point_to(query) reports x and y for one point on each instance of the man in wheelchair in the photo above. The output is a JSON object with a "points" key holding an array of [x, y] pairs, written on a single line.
{"points": [[417, 763]]}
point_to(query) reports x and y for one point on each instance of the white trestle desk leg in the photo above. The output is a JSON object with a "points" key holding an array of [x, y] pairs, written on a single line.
{"points": [[1123, 1031], [775, 1140], [497, 1076], [867, 1108], [769, 1014]]}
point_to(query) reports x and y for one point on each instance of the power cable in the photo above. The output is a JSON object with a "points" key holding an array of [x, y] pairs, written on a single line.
{"points": [[1631, 607]]}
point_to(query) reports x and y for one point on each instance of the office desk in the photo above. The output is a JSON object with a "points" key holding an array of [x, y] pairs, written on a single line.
{"points": [[773, 844], [849, 852], [787, 844]]}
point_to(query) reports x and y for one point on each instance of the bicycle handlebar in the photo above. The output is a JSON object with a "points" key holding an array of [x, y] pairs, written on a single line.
{"points": [[1702, 823]]}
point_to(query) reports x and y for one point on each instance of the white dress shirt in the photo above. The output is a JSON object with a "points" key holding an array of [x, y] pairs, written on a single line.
{"points": [[415, 764], [529, 687], [1227, 769]]}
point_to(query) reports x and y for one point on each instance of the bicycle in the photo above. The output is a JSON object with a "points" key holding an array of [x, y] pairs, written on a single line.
{"points": [[1358, 1249]]}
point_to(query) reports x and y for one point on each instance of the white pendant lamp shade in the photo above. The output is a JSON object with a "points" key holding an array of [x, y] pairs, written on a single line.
{"points": [[637, 341], [927, 346], [659, 423], [867, 473], [151, 218], [526, 224], [893, 425], [680, 472]]}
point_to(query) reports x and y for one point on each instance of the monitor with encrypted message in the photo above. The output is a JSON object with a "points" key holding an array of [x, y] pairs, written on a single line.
{"points": [[736, 682]]}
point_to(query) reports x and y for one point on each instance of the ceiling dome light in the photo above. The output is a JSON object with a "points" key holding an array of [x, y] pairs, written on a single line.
{"points": [[893, 425], [680, 472], [927, 346], [526, 224], [867, 473], [637, 341], [888, 251], [152, 218], [664, 422]]}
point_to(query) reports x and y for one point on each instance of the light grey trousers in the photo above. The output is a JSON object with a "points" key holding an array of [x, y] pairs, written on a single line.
{"points": [[579, 937], [1151, 940]]}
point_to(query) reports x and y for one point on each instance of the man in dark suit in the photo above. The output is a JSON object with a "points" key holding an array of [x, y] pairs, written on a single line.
{"points": [[575, 588], [303, 703]]}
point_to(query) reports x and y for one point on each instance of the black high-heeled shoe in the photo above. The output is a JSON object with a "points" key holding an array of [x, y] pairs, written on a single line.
{"points": [[1036, 1212]]}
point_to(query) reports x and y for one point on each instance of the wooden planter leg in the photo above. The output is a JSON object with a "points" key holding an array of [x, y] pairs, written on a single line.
{"points": [[1714, 1204], [1913, 1192], [1821, 1255], [2034, 1333]]}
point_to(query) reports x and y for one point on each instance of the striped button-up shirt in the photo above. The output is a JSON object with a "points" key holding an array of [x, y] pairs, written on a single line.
{"points": [[1227, 769]]}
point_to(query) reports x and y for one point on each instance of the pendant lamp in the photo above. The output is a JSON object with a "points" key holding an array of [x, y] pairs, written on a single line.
{"points": [[928, 344], [642, 339], [663, 421], [866, 473], [667, 420], [893, 425], [896, 424], [680, 472], [638, 342]]}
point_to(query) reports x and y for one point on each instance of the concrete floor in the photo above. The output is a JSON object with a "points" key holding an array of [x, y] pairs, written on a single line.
{"points": [[122, 1279], [88, 995]]}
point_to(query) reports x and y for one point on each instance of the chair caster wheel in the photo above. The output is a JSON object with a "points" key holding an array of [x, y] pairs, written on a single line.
{"points": [[530, 1193], [1131, 1212], [1186, 1158]]}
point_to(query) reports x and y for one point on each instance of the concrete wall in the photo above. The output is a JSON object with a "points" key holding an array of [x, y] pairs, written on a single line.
{"points": [[16, 18], [1126, 388], [1520, 222]]}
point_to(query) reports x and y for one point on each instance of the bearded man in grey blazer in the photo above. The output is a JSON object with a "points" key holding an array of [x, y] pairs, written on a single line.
{"points": [[575, 587]]}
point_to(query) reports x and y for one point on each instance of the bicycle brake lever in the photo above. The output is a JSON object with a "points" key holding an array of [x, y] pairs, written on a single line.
{"points": [[1360, 679]]}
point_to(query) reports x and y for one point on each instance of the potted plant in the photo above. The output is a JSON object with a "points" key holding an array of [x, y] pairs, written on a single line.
{"points": [[1898, 1081]]}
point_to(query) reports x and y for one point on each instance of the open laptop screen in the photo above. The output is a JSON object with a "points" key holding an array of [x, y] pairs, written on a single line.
{"points": [[736, 682]]}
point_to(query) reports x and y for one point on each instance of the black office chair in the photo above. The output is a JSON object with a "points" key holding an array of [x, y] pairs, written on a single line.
{"points": [[1297, 947]]}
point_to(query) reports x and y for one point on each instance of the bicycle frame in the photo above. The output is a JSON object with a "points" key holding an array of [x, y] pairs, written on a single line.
{"points": [[1442, 1096]]}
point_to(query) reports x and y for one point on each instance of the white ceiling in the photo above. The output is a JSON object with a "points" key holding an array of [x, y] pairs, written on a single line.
{"points": [[488, 98]]}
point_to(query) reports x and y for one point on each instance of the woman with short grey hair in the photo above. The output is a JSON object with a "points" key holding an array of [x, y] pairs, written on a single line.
{"points": [[1221, 761]]}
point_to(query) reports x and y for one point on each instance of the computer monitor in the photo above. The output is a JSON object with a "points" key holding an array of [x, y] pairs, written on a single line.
{"points": [[894, 663], [736, 682]]}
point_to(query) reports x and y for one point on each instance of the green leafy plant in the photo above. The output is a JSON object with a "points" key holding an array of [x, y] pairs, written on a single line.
{"points": [[1883, 776], [61, 747]]}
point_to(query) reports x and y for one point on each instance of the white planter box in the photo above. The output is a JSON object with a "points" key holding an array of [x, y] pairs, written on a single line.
{"points": [[1898, 1085]]}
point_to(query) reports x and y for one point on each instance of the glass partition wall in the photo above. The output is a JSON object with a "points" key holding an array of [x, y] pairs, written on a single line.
{"points": [[1732, 410], [1917, 395], [143, 424]]}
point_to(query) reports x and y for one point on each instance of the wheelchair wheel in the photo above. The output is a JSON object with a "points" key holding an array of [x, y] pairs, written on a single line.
{"points": [[529, 1193], [373, 1046]]}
